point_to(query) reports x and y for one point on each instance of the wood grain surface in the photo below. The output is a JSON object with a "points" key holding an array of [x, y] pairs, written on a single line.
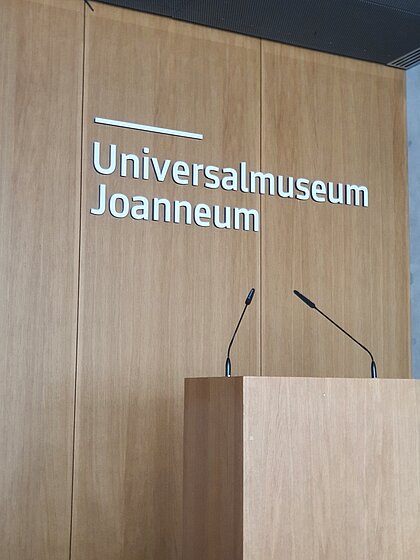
{"points": [[159, 301], [213, 469], [331, 469], [324, 469], [335, 119], [40, 131]]}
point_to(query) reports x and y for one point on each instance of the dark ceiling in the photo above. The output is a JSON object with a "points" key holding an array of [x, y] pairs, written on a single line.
{"points": [[383, 31]]}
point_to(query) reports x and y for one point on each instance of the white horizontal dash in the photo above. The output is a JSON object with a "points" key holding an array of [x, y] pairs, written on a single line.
{"points": [[147, 128]]}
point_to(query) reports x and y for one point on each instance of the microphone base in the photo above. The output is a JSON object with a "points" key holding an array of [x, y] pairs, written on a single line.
{"points": [[373, 371], [228, 368]]}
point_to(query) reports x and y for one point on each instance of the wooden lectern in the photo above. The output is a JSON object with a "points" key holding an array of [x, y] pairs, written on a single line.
{"points": [[280, 468]]}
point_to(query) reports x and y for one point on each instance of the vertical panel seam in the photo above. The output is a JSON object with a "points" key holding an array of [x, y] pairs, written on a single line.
{"points": [[78, 284]]}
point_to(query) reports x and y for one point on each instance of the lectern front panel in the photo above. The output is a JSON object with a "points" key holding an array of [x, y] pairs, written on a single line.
{"points": [[331, 469]]}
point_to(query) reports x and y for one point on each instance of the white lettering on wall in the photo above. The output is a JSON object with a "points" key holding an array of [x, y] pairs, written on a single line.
{"points": [[144, 166], [119, 205]]}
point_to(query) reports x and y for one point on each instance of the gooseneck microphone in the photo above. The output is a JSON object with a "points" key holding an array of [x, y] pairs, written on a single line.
{"points": [[311, 304], [228, 365]]}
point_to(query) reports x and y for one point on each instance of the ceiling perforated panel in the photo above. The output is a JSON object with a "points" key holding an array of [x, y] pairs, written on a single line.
{"points": [[376, 30]]}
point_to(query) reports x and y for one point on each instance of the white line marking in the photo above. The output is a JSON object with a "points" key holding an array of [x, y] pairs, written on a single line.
{"points": [[147, 128]]}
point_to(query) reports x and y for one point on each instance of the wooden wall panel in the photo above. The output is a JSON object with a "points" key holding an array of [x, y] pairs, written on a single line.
{"points": [[40, 130], [159, 301], [334, 119]]}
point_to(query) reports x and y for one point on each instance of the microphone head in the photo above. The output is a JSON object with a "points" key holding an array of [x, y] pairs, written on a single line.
{"points": [[250, 296], [308, 302]]}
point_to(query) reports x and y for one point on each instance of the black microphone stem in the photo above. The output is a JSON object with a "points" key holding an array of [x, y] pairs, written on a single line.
{"points": [[312, 305], [228, 364], [373, 364], [236, 330]]}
